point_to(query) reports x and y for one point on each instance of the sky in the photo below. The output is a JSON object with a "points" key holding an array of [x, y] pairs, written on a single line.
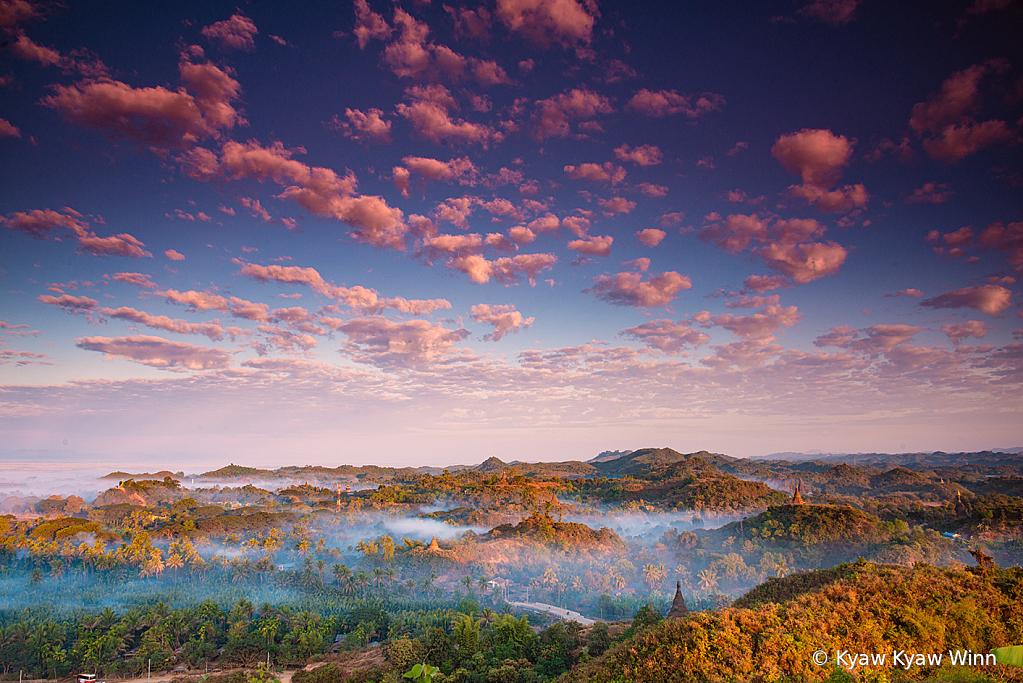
{"points": [[422, 232]]}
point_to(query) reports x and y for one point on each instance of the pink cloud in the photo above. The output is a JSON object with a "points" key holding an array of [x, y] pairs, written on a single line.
{"points": [[668, 336], [137, 279], [456, 211], [411, 56], [157, 353], [956, 332], [833, 201], [204, 301], [319, 190], [369, 24], [578, 225], [616, 205], [945, 120], [804, 262], [746, 355], [173, 255], [8, 129], [23, 358], [116, 245], [629, 289], [764, 283], [69, 303], [554, 115], [452, 244], [958, 142], [471, 23], [784, 246], [200, 301], [747, 301], [25, 49], [959, 96], [869, 340], [429, 112], [760, 325], [737, 148], [284, 340], [644, 155], [930, 193], [545, 223], [39, 223], [593, 246], [667, 102], [503, 209], [213, 330], [237, 33], [368, 127], [834, 12], [521, 235], [816, 155], [910, 292], [653, 191], [256, 208], [15, 12], [642, 264], [504, 318], [155, 117], [549, 21], [505, 270], [357, 297], [1007, 238], [608, 173], [651, 237], [990, 299], [18, 330], [670, 220], [456, 170], [379, 341]]}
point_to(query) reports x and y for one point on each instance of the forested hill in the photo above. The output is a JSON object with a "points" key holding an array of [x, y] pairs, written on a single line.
{"points": [[858, 608]]}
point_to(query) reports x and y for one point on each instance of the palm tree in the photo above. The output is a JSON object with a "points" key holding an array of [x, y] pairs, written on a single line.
{"points": [[654, 575], [343, 576], [378, 577], [467, 582], [175, 562], [390, 574], [362, 580], [708, 579]]}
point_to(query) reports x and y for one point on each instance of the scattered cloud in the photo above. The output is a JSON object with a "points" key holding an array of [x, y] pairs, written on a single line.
{"points": [[990, 299], [237, 33], [157, 353], [658, 103], [651, 237], [629, 289], [503, 317]]}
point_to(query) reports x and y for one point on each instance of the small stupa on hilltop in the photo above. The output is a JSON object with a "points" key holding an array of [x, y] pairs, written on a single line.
{"points": [[797, 498], [434, 545], [678, 605], [961, 511]]}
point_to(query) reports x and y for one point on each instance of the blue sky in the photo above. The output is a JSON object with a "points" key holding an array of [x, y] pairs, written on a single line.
{"points": [[422, 232]]}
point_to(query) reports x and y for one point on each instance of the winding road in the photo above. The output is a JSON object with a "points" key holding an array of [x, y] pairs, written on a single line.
{"points": [[551, 609]]}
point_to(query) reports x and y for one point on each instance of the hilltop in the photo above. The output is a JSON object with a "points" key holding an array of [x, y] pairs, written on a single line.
{"points": [[861, 607], [807, 526], [545, 530]]}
